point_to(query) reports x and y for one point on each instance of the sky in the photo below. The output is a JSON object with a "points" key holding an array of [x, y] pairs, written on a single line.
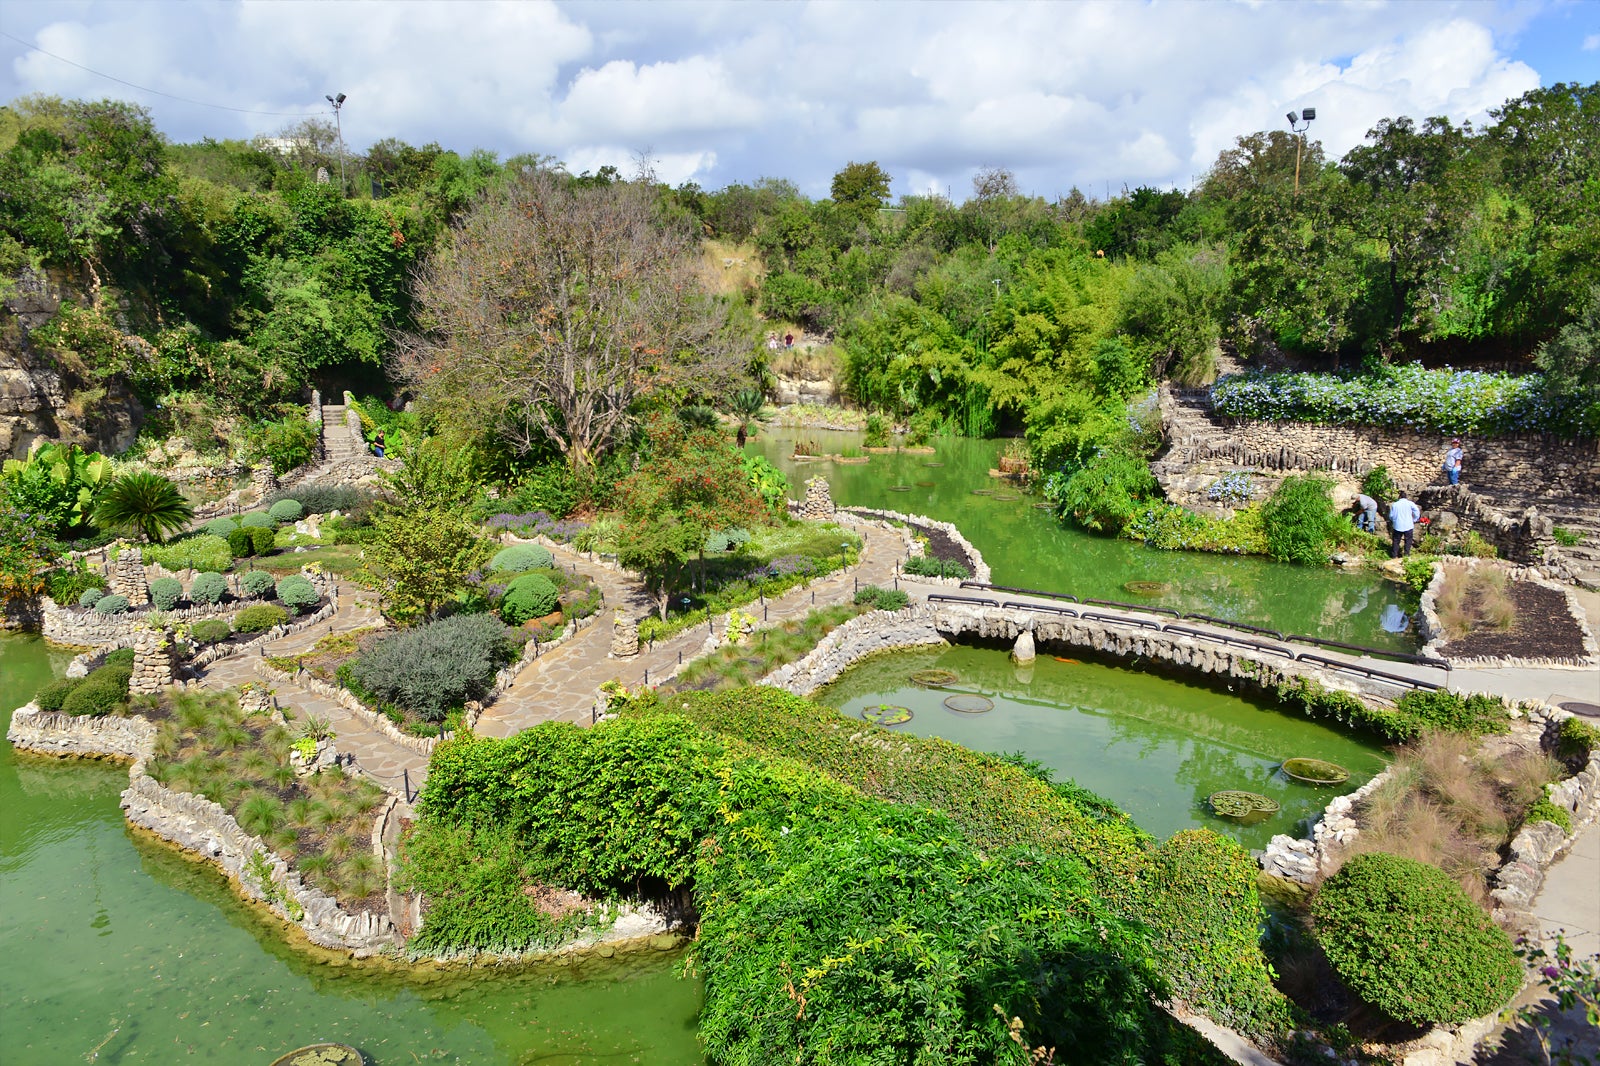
{"points": [[1098, 95]]}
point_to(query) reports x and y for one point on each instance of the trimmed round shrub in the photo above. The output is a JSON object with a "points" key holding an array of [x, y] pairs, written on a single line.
{"points": [[241, 544], [320, 499], [529, 596], [1405, 938], [260, 618], [55, 693], [102, 692], [433, 668], [113, 604], [89, 597], [297, 593], [165, 592], [286, 511], [258, 583], [208, 587], [262, 539], [210, 631], [220, 527], [521, 557], [257, 520]]}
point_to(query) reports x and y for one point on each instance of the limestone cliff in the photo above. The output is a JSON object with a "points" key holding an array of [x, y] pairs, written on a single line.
{"points": [[40, 396]]}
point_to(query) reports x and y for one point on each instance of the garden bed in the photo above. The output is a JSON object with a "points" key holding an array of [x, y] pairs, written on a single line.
{"points": [[1542, 628]]}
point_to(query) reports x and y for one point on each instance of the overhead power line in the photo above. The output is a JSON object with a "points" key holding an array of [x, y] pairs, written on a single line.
{"points": [[147, 89]]}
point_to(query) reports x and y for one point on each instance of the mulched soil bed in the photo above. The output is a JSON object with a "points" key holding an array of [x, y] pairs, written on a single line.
{"points": [[941, 546], [1544, 629]]}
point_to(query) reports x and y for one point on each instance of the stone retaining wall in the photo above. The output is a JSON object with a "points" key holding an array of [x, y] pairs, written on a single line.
{"points": [[199, 825], [975, 563]]}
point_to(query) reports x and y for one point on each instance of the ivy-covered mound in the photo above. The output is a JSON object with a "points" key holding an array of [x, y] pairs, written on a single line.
{"points": [[855, 907]]}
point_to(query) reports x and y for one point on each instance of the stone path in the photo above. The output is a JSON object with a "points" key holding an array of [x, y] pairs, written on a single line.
{"points": [[397, 768], [561, 685]]}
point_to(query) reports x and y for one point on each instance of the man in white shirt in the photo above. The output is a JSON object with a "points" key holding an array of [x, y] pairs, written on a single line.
{"points": [[1403, 517]]}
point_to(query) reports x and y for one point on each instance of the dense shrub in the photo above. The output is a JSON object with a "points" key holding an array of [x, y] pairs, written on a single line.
{"points": [[1406, 939], [257, 520], [119, 657], [286, 511], [1299, 520], [1543, 810], [67, 584], [1311, 699], [727, 540], [1402, 396], [259, 618], [1378, 484], [320, 499], [202, 552], [89, 597], [521, 557], [1418, 570], [220, 527], [1576, 739], [1105, 494], [258, 584], [261, 539], [1475, 715], [165, 592], [1173, 528], [208, 587], [103, 691], [53, 694], [240, 544], [297, 593], [881, 599], [288, 443], [436, 667], [928, 566], [112, 604], [210, 631], [529, 596]]}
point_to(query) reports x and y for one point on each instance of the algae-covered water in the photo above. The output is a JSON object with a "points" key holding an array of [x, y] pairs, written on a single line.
{"points": [[1154, 746], [1027, 547], [122, 949]]}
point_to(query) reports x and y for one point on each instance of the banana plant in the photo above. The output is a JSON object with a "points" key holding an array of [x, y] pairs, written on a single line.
{"points": [[70, 478]]}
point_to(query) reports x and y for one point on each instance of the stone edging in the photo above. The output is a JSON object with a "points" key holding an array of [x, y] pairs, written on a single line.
{"points": [[197, 824], [346, 699], [1434, 636], [979, 568]]}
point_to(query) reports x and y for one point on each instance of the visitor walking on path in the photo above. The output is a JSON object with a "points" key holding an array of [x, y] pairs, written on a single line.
{"points": [[1368, 518], [1452, 461], [1403, 517]]}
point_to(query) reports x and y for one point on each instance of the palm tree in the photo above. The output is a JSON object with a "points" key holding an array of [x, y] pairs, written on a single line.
{"points": [[746, 407], [144, 503]]}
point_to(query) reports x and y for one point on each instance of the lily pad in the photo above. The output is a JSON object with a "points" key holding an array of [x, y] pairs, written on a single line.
{"points": [[934, 678], [886, 714], [983, 492], [1146, 588], [1235, 803], [1316, 771], [926, 484], [899, 488], [322, 1055], [930, 462], [1006, 497], [969, 704]]}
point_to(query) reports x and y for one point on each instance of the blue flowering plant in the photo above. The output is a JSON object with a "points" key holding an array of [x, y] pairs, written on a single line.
{"points": [[1401, 397]]}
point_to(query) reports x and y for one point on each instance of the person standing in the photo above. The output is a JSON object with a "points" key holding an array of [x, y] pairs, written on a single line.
{"points": [[1368, 518], [1403, 517], [1452, 461]]}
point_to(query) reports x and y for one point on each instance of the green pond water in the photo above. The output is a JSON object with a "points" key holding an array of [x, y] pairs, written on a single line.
{"points": [[1154, 746], [1027, 547], [117, 944]]}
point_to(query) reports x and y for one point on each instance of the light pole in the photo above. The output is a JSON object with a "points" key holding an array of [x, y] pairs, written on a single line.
{"points": [[338, 123], [1298, 123]]}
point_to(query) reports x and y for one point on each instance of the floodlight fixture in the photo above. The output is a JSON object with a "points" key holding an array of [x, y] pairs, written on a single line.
{"points": [[1299, 122], [338, 103], [1293, 117], [1308, 114]]}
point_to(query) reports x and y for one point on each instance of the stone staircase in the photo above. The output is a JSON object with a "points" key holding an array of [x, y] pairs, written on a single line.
{"points": [[339, 439]]}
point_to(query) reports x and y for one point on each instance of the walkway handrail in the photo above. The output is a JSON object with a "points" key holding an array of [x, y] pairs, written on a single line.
{"points": [[1219, 638], [1244, 627]]}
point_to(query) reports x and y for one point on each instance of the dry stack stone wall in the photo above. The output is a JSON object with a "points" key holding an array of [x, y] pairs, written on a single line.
{"points": [[126, 577]]}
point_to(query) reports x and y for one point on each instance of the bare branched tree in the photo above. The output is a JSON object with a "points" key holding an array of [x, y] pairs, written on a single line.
{"points": [[550, 309]]}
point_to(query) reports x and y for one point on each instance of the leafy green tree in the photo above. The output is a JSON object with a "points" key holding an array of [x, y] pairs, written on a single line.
{"points": [[1106, 493], [1571, 364], [145, 504], [860, 189], [691, 484], [420, 559]]}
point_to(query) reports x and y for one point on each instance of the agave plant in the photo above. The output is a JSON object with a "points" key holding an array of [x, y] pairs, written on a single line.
{"points": [[145, 504]]}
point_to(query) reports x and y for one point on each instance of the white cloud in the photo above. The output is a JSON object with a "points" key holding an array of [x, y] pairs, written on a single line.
{"points": [[1591, 42], [1097, 93]]}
